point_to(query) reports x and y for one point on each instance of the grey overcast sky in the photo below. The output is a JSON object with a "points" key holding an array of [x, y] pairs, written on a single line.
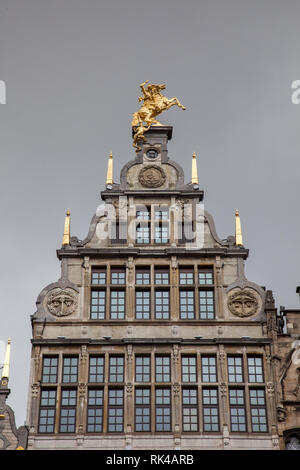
{"points": [[72, 70]]}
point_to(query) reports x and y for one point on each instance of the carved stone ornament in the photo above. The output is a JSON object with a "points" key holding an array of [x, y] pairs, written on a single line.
{"points": [[61, 302], [243, 303], [152, 176]]}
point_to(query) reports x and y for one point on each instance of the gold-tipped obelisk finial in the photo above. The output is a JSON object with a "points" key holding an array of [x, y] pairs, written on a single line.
{"points": [[109, 177], [66, 237], [194, 170], [5, 371], [238, 229]]}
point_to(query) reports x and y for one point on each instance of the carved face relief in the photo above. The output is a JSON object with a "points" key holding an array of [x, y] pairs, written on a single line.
{"points": [[152, 176], [243, 303], [61, 302]]}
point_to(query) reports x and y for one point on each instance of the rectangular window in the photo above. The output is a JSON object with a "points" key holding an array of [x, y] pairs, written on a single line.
{"points": [[70, 369], [206, 304], [161, 233], [117, 304], [162, 369], [142, 369], [258, 410], [95, 411], [162, 276], [142, 304], [205, 276], [189, 368], [142, 276], [190, 409], [209, 368], [235, 369], [99, 276], [50, 367], [118, 232], [47, 411], [98, 304], [143, 213], [210, 409], [68, 410], [115, 410], [162, 307], [237, 410], [255, 369], [162, 409], [116, 369], [96, 369], [143, 233], [186, 276], [118, 276], [162, 214], [187, 305], [142, 409]]}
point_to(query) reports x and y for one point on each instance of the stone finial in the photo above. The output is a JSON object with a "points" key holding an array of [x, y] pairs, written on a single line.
{"points": [[66, 237], [109, 176], [238, 229], [194, 170], [5, 371]]}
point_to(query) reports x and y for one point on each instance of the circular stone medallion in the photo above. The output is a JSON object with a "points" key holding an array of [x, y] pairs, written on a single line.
{"points": [[152, 176]]}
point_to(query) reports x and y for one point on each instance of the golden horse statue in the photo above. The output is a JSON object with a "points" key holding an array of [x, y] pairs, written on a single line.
{"points": [[154, 103]]}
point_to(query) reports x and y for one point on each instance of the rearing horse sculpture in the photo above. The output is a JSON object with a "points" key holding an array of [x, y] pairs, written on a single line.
{"points": [[154, 104]]}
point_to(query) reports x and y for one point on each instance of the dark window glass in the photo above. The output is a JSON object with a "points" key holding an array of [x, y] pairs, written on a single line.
{"points": [[143, 213], [143, 233], [237, 410], [162, 409], [209, 369], [258, 410], [186, 276], [187, 305], [142, 276], [189, 368], [162, 369], [115, 410], [116, 369], [47, 411], [210, 410], [152, 153], [205, 276], [235, 369], [96, 369], [162, 276], [190, 409], [95, 411], [142, 304], [70, 369], [68, 410], [99, 276], [206, 304], [118, 276], [50, 367], [161, 233], [255, 369], [117, 304], [98, 303], [162, 307], [162, 214], [142, 368], [142, 409]]}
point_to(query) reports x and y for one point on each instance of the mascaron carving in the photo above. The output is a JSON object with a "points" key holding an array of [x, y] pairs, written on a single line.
{"points": [[152, 176], [61, 302], [243, 302]]}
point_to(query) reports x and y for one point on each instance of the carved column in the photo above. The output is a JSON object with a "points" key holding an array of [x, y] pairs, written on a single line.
{"points": [[82, 389], [174, 304], [218, 290], [224, 412], [129, 408], [86, 281], [130, 289]]}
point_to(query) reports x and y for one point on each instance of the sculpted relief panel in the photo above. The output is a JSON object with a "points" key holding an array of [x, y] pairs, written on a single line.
{"points": [[152, 176], [61, 302], [244, 302]]}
